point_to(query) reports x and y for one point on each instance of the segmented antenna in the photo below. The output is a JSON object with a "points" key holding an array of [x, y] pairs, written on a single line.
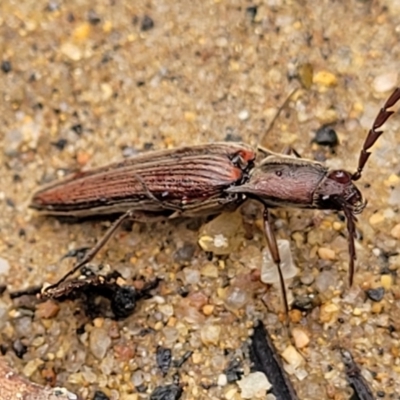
{"points": [[373, 134]]}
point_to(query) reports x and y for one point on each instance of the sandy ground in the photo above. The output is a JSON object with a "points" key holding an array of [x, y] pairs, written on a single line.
{"points": [[85, 83]]}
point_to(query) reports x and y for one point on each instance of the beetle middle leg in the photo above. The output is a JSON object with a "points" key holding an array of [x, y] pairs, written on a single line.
{"points": [[274, 250]]}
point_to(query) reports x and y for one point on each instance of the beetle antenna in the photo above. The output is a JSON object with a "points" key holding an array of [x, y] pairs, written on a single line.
{"points": [[374, 134]]}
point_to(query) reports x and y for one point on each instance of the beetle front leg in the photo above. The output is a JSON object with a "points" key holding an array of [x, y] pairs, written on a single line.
{"points": [[273, 248]]}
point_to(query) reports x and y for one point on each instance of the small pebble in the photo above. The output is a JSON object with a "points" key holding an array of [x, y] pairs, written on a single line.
{"points": [[137, 378], [31, 367], [324, 280], [208, 309], [325, 78], [99, 342], [292, 357], [300, 337], [254, 385], [357, 311], [230, 393], [376, 218], [185, 253], [4, 266], [307, 278], [377, 307], [337, 226], [385, 82], [395, 232], [295, 316], [210, 334], [222, 380], [269, 273], [243, 115], [376, 294], [209, 271], [328, 312], [72, 51], [326, 254], [387, 281], [197, 358], [192, 276], [46, 310]]}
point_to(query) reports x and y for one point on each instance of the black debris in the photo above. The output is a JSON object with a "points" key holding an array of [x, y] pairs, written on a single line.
{"points": [[362, 391], [266, 359], [123, 301]]}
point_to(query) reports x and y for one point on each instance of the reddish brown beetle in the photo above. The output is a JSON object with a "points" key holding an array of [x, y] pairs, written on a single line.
{"points": [[209, 179]]}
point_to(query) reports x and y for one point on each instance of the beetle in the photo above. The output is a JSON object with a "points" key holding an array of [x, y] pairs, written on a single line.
{"points": [[209, 179]]}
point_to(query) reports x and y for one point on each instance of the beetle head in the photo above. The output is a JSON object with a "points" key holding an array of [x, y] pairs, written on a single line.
{"points": [[338, 192]]}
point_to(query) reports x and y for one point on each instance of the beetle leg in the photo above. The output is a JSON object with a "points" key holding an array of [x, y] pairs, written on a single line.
{"points": [[351, 228], [289, 150], [129, 215], [273, 248]]}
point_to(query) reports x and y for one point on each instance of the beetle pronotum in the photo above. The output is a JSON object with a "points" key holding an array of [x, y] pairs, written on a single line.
{"points": [[208, 179]]}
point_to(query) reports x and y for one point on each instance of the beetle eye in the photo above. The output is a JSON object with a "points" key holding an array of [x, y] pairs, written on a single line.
{"points": [[340, 176]]}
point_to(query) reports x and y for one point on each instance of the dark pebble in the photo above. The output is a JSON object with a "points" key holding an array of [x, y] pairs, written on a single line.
{"points": [[6, 66], [100, 396], [376, 294], [168, 392], [304, 303], [251, 12], [147, 23], [163, 358], [19, 348], [77, 128], [185, 253], [234, 371], [93, 17], [326, 136], [60, 144], [3, 349]]}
